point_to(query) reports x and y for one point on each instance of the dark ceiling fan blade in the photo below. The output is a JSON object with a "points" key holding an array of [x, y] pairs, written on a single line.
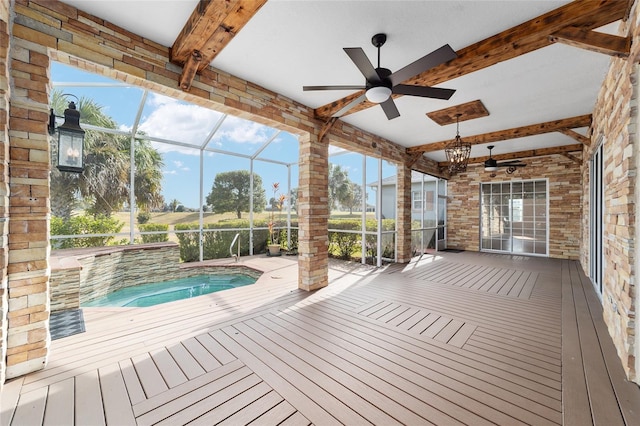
{"points": [[435, 58], [350, 105], [363, 63], [511, 164], [390, 109], [423, 91], [344, 87]]}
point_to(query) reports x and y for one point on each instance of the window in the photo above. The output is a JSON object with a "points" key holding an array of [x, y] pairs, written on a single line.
{"points": [[416, 200]]}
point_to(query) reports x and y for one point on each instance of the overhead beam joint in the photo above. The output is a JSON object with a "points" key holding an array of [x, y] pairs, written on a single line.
{"points": [[593, 41]]}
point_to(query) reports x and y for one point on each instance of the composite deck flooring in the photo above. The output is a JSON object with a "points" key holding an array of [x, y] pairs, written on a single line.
{"points": [[450, 338]]}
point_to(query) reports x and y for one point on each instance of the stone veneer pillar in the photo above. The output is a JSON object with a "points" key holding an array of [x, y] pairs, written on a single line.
{"points": [[28, 240], [4, 180], [313, 214], [403, 223]]}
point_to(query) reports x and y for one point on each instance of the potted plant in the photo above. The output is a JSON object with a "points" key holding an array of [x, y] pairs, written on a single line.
{"points": [[276, 205]]}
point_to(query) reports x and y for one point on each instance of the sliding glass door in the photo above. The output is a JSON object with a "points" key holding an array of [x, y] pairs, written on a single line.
{"points": [[596, 216], [514, 217]]}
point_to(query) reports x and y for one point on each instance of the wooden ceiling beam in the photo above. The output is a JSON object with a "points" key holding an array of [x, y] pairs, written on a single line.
{"points": [[208, 30], [514, 133], [572, 158], [562, 150], [593, 41], [577, 136], [516, 41]]}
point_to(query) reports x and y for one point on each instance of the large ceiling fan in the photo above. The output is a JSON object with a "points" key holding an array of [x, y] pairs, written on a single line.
{"points": [[491, 165], [381, 82]]}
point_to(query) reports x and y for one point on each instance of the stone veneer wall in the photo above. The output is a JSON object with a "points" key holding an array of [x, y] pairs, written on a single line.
{"points": [[4, 181], [28, 257], [565, 203], [615, 123], [45, 30]]}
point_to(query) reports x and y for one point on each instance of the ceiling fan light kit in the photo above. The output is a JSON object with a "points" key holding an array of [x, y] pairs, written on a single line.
{"points": [[378, 95], [381, 83]]}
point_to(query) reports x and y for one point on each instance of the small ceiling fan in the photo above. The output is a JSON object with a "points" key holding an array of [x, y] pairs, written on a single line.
{"points": [[381, 82], [491, 165]]}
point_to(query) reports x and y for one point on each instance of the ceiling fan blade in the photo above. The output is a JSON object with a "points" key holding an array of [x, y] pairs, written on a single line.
{"points": [[423, 91], [390, 109], [359, 58], [345, 87], [350, 105], [435, 58], [511, 164]]}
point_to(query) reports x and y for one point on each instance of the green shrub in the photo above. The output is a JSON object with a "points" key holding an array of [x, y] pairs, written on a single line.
{"points": [[347, 245], [154, 238], [81, 225], [342, 244], [144, 217], [217, 237], [189, 241]]}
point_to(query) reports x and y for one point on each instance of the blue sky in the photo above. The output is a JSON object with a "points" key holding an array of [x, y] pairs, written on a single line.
{"points": [[171, 119]]}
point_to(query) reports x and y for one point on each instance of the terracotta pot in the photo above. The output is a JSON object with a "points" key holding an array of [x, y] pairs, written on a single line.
{"points": [[274, 249]]}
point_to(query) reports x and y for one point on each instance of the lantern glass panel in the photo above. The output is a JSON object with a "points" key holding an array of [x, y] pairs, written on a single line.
{"points": [[70, 155]]}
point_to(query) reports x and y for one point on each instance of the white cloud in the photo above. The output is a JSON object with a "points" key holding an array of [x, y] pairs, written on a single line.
{"points": [[173, 120], [242, 131], [157, 100]]}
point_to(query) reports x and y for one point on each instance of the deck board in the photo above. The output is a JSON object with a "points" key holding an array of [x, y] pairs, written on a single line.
{"points": [[468, 338], [150, 377], [87, 398], [188, 364], [60, 403], [132, 382], [168, 368], [117, 407], [31, 406]]}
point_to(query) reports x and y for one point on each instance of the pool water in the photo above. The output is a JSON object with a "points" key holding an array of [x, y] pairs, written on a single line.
{"points": [[184, 288]]}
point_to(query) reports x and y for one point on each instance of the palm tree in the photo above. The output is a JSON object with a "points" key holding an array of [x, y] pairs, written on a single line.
{"points": [[103, 186], [173, 205]]}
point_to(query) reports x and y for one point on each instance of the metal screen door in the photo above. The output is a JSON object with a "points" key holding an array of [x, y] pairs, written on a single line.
{"points": [[514, 217]]}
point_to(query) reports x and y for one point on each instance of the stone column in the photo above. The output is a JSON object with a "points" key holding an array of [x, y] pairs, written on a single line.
{"points": [[403, 223], [5, 93], [28, 264], [313, 214]]}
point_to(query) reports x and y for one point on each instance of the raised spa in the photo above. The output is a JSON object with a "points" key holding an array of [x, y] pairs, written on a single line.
{"points": [[144, 295]]}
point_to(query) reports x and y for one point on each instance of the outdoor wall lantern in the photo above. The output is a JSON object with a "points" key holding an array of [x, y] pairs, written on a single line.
{"points": [[457, 151], [70, 139]]}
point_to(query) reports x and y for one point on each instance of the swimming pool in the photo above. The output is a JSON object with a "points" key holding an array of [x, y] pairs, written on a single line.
{"points": [[168, 291]]}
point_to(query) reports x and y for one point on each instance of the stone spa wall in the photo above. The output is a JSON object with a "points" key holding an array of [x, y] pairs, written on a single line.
{"points": [[79, 276]]}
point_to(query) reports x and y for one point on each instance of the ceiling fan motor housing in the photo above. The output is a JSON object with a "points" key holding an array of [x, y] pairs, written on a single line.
{"points": [[384, 74], [490, 165]]}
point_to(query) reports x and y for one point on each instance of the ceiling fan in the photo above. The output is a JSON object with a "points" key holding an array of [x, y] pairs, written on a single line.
{"points": [[491, 165], [381, 82]]}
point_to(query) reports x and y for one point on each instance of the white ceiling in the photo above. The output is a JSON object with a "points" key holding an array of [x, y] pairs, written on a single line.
{"points": [[288, 44]]}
